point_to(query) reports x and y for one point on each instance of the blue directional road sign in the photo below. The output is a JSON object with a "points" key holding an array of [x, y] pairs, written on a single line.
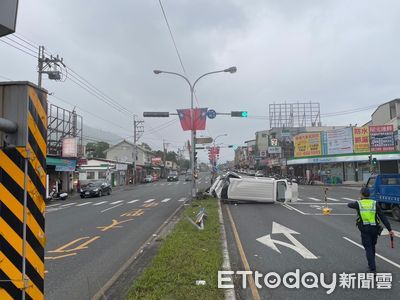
{"points": [[211, 114]]}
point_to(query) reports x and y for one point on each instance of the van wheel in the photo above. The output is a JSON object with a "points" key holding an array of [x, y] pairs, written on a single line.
{"points": [[396, 213]]}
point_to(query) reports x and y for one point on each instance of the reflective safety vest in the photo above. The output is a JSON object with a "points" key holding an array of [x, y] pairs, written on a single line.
{"points": [[367, 211]]}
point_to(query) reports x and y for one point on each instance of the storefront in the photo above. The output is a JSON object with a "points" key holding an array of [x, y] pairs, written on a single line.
{"points": [[339, 168], [60, 172]]}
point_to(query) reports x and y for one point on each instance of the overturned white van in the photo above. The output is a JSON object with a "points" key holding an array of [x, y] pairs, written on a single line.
{"points": [[261, 189]]}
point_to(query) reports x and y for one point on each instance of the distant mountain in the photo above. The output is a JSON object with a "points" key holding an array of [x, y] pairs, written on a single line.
{"points": [[91, 135]]}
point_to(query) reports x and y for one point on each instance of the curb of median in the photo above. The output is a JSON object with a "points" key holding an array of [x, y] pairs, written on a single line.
{"points": [[226, 264], [120, 283]]}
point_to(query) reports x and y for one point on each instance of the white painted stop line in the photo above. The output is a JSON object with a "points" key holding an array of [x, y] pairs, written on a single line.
{"points": [[82, 204], [116, 202], [102, 202], [166, 200], [150, 200], [133, 201], [314, 199]]}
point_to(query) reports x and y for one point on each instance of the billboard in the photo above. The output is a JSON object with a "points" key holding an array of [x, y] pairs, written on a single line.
{"points": [[361, 139], [339, 141], [382, 138], [307, 144], [70, 147], [156, 161]]}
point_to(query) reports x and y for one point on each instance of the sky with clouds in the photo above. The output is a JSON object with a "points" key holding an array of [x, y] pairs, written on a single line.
{"points": [[342, 54]]}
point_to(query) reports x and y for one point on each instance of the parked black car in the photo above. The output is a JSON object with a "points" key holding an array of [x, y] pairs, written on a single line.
{"points": [[96, 189], [173, 176]]}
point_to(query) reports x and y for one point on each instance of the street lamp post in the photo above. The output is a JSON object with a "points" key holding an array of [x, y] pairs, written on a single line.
{"points": [[192, 86]]}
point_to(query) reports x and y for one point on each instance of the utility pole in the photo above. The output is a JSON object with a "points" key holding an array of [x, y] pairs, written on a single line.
{"points": [[138, 129], [48, 66], [165, 146]]}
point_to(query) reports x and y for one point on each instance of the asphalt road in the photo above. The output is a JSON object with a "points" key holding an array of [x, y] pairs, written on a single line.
{"points": [[88, 240], [304, 239]]}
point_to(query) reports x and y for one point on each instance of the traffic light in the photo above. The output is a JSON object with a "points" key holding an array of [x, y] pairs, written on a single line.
{"points": [[195, 157], [374, 161], [370, 159], [240, 114], [234, 147]]}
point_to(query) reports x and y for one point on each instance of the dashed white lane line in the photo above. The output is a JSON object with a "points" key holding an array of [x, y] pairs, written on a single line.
{"points": [[83, 204], [99, 203], [332, 199], [133, 201], [348, 199], [185, 182], [111, 207], [378, 255], [150, 200], [314, 199], [299, 199], [177, 182], [69, 204], [182, 199], [53, 205], [116, 202], [166, 200]]}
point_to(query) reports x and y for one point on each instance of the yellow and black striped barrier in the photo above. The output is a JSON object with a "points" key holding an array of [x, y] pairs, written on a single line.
{"points": [[22, 194]]}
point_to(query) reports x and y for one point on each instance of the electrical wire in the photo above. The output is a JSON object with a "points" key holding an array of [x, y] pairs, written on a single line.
{"points": [[16, 47]]}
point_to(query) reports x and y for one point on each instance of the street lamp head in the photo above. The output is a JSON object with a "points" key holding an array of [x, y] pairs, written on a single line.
{"points": [[231, 70], [157, 71]]}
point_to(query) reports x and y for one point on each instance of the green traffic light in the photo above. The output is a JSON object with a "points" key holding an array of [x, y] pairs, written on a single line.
{"points": [[244, 114]]}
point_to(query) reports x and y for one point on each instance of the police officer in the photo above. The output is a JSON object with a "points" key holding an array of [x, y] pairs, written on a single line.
{"points": [[368, 221]]}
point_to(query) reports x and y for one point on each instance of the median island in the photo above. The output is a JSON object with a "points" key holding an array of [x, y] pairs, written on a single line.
{"points": [[187, 263]]}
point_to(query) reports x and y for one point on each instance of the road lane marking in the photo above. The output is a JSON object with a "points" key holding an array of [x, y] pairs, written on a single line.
{"points": [[155, 184], [102, 202], [250, 279], [166, 200], [111, 207], [61, 256], [114, 224], [348, 199], [380, 256], [314, 199], [288, 207], [83, 204], [177, 182], [162, 183], [182, 199], [294, 244], [332, 199], [133, 201], [185, 182], [150, 205], [303, 213], [299, 199], [313, 203], [116, 202], [69, 204], [53, 205], [148, 201], [169, 183]]}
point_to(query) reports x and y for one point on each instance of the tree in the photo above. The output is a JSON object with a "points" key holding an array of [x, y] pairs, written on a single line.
{"points": [[146, 146], [96, 150], [172, 156]]}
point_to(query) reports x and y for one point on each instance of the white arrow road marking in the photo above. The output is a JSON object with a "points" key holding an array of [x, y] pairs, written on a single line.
{"points": [[287, 232], [348, 199], [332, 199], [150, 200], [116, 202], [69, 204], [380, 256], [182, 199], [83, 204], [102, 202], [166, 200], [314, 199], [133, 201]]}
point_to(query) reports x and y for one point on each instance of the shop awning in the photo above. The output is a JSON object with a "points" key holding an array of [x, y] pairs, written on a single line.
{"points": [[61, 164]]}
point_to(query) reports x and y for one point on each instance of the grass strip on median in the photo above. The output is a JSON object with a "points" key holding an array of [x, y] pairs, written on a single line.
{"points": [[186, 255]]}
